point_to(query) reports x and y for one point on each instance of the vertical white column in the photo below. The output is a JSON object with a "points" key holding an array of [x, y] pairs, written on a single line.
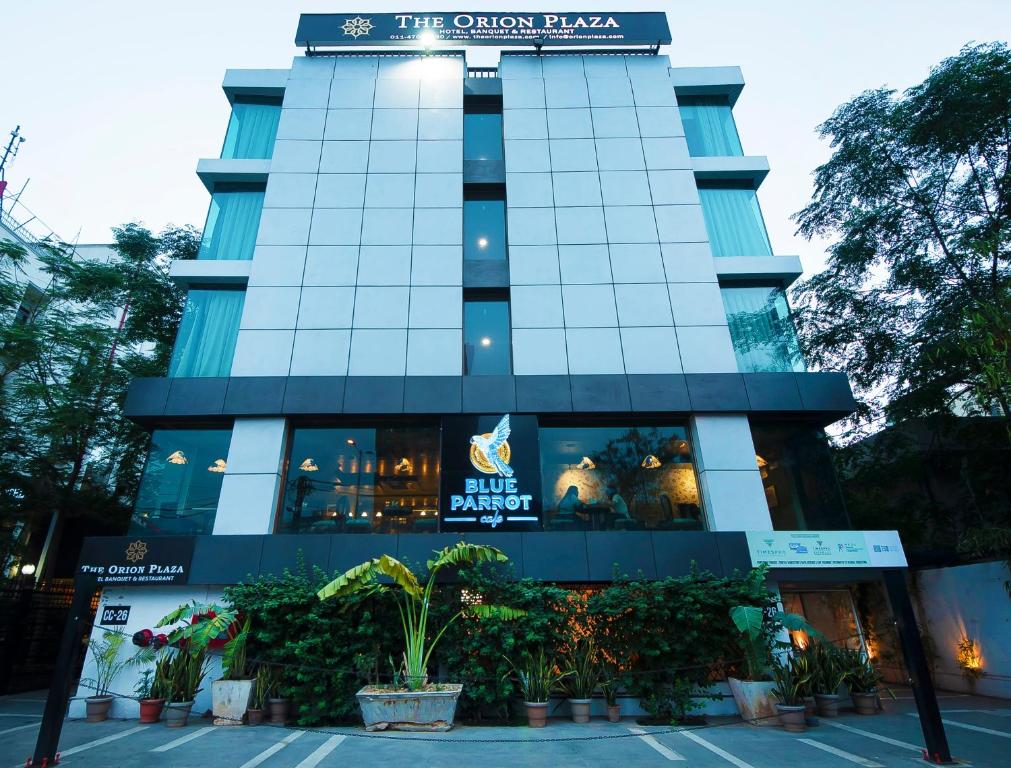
{"points": [[728, 473], [251, 484]]}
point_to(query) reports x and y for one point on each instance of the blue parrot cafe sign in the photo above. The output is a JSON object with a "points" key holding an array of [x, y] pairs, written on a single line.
{"points": [[491, 473]]}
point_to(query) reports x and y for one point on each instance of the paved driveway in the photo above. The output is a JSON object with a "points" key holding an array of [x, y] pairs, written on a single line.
{"points": [[979, 731]]}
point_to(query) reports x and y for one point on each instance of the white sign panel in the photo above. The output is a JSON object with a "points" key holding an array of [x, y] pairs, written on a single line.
{"points": [[826, 549]]}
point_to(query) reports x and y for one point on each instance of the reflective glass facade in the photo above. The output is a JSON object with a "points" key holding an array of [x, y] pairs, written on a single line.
{"points": [[734, 222], [709, 126], [205, 341], [232, 221], [486, 338], [763, 333], [252, 129]]}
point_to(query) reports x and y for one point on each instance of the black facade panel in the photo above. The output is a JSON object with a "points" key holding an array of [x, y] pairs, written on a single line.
{"points": [[255, 395], [555, 556], [620, 553], [489, 394], [772, 391], [482, 86], [146, 397], [226, 559], [604, 392], [658, 392], [348, 549], [314, 394], [414, 551], [433, 394], [374, 394], [675, 551], [510, 543], [196, 397], [717, 391], [283, 550], [829, 391], [549, 394], [734, 553]]}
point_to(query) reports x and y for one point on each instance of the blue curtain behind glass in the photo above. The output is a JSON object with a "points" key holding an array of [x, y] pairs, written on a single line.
{"points": [[231, 227], [709, 127], [251, 131], [206, 338], [762, 331], [734, 222]]}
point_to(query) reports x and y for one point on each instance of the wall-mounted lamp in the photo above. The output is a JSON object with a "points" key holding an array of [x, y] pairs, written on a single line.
{"points": [[651, 462], [219, 466], [586, 463], [427, 39], [177, 457], [28, 569]]}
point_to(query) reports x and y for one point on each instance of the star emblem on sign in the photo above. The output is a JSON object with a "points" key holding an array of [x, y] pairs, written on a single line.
{"points": [[357, 26], [136, 551]]}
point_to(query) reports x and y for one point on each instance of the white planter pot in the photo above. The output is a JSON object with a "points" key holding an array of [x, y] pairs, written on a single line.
{"points": [[755, 701], [230, 700]]}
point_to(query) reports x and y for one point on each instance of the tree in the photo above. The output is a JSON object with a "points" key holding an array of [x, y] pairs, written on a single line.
{"points": [[915, 303], [101, 325]]}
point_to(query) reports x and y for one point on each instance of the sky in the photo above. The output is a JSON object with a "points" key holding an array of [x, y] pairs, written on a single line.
{"points": [[118, 100]]}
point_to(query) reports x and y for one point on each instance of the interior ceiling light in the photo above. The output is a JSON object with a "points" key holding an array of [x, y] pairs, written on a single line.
{"points": [[219, 465], [308, 465], [651, 462], [482, 242], [586, 463], [403, 467], [177, 457], [485, 341]]}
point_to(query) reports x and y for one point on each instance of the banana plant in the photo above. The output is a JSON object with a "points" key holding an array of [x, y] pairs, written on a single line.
{"points": [[413, 599], [758, 635]]}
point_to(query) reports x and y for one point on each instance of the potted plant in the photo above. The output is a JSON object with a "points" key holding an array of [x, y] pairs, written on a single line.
{"points": [[609, 684], [863, 681], [186, 672], [582, 674], [804, 664], [538, 676], [151, 690], [830, 672], [790, 705], [261, 688], [417, 705], [105, 654], [278, 705], [753, 695], [231, 694]]}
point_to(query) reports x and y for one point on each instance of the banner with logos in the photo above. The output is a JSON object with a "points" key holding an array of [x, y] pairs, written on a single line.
{"points": [[826, 549], [483, 28]]}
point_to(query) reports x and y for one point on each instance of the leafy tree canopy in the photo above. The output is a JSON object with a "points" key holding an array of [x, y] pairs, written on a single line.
{"points": [[916, 298]]}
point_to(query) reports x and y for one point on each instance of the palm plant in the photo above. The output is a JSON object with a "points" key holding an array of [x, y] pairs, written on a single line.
{"points": [[108, 665], [582, 670], [538, 675], [414, 600]]}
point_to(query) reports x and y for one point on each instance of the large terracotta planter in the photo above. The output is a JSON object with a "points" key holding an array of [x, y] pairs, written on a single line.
{"points": [[755, 701], [537, 713], [810, 711], [426, 710], [828, 704], [580, 710], [97, 708], [865, 703], [177, 713], [150, 710], [278, 710], [230, 700], [792, 718], [614, 713]]}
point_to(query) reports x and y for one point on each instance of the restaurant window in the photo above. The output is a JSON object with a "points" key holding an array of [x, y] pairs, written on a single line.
{"points": [[232, 221], [486, 337], [252, 128], [734, 220], [709, 126], [764, 337], [796, 468], [207, 332], [619, 478], [484, 224], [181, 482], [362, 480]]}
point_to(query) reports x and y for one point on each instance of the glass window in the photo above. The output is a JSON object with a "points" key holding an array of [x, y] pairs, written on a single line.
{"points": [[482, 137], [179, 489], [799, 477], [762, 331], [619, 478], [207, 332], [252, 129], [484, 232], [486, 340], [734, 222], [709, 126], [362, 480], [232, 221]]}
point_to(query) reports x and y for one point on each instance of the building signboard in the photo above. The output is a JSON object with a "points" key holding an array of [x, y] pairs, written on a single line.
{"points": [[491, 475], [483, 28], [826, 549], [141, 560]]}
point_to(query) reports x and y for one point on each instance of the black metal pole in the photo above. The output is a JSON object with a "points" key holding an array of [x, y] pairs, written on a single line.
{"points": [[916, 665], [59, 691]]}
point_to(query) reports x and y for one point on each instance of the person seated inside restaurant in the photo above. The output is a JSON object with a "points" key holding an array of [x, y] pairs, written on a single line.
{"points": [[618, 506], [569, 506]]}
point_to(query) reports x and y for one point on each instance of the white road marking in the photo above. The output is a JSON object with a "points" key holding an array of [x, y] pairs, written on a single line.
{"points": [[844, 755], [876, 736], [977, 728], [184, 739], [20, 728], [322, 751], [667, 752], [716, 750], [8, 714], [100, 742], [273, 750]]}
